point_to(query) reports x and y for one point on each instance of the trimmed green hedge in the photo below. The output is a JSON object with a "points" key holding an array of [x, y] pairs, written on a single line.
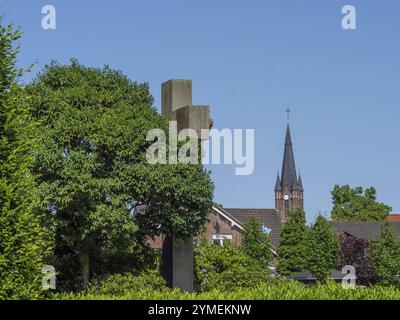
{"points": [[290, 290], [119, 284], [227, 268]]}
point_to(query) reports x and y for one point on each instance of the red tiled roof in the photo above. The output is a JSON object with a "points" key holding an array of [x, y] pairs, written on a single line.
{"points": [[393, 218]]}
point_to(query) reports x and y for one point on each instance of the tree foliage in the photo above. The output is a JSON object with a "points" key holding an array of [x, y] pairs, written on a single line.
{"points": [[22, 238], [226, 268], [95, 181], [385, 254], [354, 252], [292, 244], [119, 284], [357, 205], [256, 243], [322, 249]]}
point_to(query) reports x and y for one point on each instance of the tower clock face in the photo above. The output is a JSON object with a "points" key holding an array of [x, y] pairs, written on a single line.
{"points": [[286, 197]]}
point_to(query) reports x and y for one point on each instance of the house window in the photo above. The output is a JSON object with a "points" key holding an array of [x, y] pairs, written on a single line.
{"points": [[220, 238]]}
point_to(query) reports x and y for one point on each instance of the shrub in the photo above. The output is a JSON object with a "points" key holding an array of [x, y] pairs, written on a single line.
{"points": [[289, 290], [123, 283], [226, 268]]}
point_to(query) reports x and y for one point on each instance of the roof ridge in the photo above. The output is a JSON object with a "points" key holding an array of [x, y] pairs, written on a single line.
{"points": [[221, 209]]}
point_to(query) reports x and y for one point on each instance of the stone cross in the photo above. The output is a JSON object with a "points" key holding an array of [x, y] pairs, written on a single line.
{"points": [[176, 104]]}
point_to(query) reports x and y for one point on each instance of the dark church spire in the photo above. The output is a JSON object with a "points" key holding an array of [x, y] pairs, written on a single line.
{"points": [[288, 176], [289, 193]]}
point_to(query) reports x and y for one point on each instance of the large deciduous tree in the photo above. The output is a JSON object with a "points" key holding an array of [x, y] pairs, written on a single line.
{"points": [[95, 180], [357, 205], [292, 244], [322, 249], [22, 238]]}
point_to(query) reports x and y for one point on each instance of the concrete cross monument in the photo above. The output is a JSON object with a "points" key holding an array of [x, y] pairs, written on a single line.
{"points": [[176, 104]]}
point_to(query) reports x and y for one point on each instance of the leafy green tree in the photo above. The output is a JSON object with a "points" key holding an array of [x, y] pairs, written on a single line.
{"points": [[256, 243], [357, 205], [322, 249], [95, 181], [385, 254], [22, 238], [292, 244]]}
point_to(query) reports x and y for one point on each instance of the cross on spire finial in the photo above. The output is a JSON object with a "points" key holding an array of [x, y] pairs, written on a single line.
{"points": [[288, 114]]}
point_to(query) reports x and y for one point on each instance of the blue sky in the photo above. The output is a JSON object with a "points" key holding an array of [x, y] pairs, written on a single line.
{"points": [[250, 60]]}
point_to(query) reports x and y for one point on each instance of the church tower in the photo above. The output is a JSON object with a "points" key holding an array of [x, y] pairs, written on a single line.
{"points": [[289, 187]]}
